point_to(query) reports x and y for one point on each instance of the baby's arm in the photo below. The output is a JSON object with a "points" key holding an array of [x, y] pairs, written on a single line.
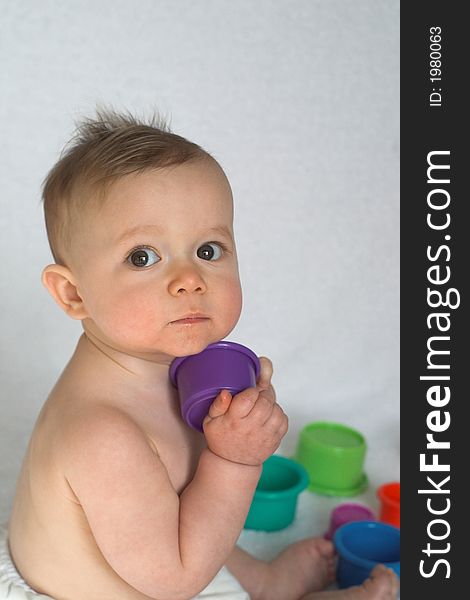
{"points": [[162, 545], [241, 434]]}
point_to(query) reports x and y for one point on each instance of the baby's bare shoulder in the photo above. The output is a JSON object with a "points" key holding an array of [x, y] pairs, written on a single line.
{"points": [[104, 452], [103, 431]]}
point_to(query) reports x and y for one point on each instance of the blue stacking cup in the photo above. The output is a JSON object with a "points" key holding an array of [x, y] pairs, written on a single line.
{"points": [[361, 545]]}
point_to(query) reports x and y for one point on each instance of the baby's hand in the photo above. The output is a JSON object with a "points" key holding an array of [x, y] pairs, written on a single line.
{"points": [[249, 427]]}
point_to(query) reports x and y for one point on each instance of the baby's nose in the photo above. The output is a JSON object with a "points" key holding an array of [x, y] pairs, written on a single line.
{"points": [[186, 280]]}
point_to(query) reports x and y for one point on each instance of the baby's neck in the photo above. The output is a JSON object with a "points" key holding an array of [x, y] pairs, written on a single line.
{"points": [[141, 372]]}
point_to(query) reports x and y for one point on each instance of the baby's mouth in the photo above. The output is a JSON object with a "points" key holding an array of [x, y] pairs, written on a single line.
{"points": [[190, 319]]}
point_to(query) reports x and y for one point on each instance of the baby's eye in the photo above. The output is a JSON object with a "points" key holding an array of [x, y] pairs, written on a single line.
{"points": [[143, 257], [210, 251]]}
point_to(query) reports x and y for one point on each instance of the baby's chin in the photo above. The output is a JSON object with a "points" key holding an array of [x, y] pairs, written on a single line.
{"points": [[174, 343], [189, 341], [191, 347], [164, 354]]}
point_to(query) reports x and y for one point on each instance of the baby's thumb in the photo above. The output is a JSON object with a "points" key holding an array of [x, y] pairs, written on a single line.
{"points": [[265, 374], [220, 405]]}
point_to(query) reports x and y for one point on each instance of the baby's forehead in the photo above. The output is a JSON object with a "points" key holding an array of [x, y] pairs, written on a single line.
{"points": [[204, 171], [175, 194], [190, 182]]}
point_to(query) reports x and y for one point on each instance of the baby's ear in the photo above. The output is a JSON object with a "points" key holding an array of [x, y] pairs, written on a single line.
{"points": [[62, 286]]}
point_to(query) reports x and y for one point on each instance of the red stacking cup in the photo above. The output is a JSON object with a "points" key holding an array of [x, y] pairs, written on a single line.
{"points": [[389, 496]]}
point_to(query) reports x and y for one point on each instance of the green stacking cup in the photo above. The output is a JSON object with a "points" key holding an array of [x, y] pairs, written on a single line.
{"points": [[275, 500], [333, 456]]}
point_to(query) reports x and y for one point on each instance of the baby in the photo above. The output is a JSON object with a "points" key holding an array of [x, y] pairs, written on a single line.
{"points": [[117, 497]]}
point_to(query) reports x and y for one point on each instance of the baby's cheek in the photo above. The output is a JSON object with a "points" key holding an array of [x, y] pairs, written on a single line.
{"points": [[131, 318], [231, 303]]}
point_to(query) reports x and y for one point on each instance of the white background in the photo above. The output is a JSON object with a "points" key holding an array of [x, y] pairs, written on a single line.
{"points": [[299, 102]]}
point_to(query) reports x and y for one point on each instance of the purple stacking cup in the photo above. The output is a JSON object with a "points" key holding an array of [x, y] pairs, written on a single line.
{"points": [[199, 378], [345, 513]]}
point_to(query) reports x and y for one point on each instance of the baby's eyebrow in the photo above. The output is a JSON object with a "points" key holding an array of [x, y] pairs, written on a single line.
{"points": [[222, 230], [138, 229], [155, 229]]}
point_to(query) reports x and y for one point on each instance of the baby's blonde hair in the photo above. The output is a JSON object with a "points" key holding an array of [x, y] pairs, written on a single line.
{"points": [[102, 150]]}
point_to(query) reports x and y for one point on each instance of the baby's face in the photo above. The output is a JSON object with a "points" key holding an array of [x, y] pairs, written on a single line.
{"points": [[156, 265]]}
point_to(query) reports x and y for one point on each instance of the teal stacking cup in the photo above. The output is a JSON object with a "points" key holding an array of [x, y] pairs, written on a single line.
{"points": [[333, 456], [275, 500]]}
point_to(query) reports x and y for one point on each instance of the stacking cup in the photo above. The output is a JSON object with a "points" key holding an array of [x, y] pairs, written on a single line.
{"points": [[346, 513], [199, 378], [274, 502], [361, 546], [333, 455], [389, 496]]}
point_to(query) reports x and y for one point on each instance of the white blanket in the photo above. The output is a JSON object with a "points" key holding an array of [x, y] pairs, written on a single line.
{"points": [[13, 587]]}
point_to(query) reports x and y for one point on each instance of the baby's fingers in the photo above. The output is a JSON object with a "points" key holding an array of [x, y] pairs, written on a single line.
{"points": [[220, 405], [263, 407], [243, 403], [278, 421]]}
